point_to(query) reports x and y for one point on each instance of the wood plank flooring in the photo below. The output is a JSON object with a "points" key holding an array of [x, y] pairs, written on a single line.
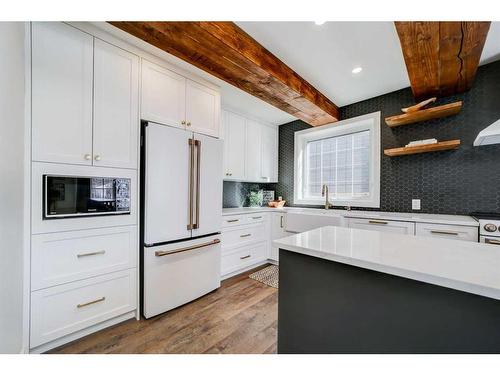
{"points": [[239, 317]]}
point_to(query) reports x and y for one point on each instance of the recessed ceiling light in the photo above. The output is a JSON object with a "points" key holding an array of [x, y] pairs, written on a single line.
{"points": [[319, 23], [357, 70]]}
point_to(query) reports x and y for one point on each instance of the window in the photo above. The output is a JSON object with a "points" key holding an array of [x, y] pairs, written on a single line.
{"points": [[345, 156]]}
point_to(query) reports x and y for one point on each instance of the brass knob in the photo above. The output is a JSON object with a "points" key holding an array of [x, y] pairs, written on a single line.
{"points": [[87, 157], [188, 123], [183, 122], [97, 157]]}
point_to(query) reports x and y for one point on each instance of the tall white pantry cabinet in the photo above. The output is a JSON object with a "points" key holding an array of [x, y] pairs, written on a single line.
{"points": [[89, 92]]}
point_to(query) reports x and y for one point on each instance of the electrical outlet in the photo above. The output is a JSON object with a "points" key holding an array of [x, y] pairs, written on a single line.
{"points": [[415, 204]]}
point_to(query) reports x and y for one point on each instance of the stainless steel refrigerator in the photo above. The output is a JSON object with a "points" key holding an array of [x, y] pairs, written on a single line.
{"points": [[181, 217]]}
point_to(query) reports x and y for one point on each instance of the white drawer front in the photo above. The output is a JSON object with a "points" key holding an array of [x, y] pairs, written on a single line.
{"points": [[59, 258], [233, 220], [451, 232], [381, 225], [243, 219], [243, 257], [64, 309], [243, 235]]}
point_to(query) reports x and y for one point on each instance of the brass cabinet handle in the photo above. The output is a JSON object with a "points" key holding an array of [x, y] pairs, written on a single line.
{"points": [[281, 221], [191, 182], [493, 242], [444, 232], [377, 222], [245, 235], [233, 220], [197, 145], [80, 305], [181, 250], [245, 257], [89, 254], [256, 217]]}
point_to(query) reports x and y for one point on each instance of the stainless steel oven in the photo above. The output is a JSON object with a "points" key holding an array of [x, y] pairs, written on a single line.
{"points": [[72, 196]]}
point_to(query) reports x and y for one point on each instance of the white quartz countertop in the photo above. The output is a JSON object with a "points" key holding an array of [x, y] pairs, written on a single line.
{"points": [[400, 216], [467, 266]]}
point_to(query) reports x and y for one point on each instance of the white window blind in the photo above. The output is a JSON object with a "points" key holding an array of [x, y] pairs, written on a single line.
{"points": [[342, 163]]}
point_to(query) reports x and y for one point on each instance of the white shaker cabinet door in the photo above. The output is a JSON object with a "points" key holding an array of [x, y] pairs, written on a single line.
{"points": [[202, 109], [234, 146], [269, 158], [163, 95], [254, 152], [61, 93], [116, 107]]}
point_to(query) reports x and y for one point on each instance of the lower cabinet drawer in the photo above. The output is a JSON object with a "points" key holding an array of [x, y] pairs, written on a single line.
{"points": [[243, 235], [451, 232], [381, 225], [58, 258], [243, 257], [64, 309]]}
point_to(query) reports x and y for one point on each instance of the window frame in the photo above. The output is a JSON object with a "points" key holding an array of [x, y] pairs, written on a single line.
{"points": [[369, 122]]}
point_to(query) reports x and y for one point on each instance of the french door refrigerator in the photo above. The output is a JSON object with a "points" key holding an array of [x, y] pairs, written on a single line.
{"points": [[181, 218]]}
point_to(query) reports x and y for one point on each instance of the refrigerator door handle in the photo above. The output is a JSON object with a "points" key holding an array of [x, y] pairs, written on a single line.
{"points": [[191, 144], [197, 144], [170, 252]]}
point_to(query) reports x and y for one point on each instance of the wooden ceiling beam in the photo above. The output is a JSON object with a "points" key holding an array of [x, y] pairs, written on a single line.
{"points": [[441, 57], [227, 52]]}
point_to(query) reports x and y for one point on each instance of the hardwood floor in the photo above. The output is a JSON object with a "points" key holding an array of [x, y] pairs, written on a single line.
{"points": [[239, 317]]}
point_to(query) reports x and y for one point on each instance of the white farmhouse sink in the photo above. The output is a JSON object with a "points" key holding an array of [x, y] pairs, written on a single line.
{"points": [[298, 221]]}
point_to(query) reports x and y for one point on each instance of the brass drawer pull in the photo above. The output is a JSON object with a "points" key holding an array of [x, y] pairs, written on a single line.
{"points": [[493, 242], [80, 305], [245, 235], [89, 254], [245, 257], [257, 217], [444, 232], [233, 220], [377, 222]]}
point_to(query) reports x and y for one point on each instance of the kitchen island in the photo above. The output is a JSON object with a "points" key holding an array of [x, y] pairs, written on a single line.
{"points": [[347, 290]]}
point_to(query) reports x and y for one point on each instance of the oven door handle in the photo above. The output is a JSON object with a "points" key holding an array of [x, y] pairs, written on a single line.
{"points": [[491, 241]]}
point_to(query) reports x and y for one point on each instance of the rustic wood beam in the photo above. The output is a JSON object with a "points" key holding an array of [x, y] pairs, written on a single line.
{"points": [[441, 57], [227, 52]]}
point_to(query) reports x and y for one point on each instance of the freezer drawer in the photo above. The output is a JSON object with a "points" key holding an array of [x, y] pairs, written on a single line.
{"points": [[178, 273]]}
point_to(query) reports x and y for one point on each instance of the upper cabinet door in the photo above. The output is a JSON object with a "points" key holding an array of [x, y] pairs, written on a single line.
{"points": [[269, 153], [202, 109], [116, 106], [61, 94], [254, 151], [163, 95], [234, 146]]}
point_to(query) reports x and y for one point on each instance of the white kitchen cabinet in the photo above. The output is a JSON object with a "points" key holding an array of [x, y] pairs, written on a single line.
{"points": [[269, 152], [451, 232], [171, 99], [277, 232], [253, 152], [116, 107], [392, 226], [163, 95], [251, 149], [202, 109], [234, 128], [62, 79]]}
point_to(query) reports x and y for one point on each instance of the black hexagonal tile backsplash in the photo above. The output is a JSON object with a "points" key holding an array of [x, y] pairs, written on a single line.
{"points": [[447, 182]]}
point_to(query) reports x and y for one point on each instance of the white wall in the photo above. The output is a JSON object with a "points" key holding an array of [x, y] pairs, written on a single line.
{"points": [[12, 71]]}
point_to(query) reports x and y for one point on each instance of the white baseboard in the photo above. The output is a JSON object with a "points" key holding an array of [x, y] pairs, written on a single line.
{"points": [[84, 332]]}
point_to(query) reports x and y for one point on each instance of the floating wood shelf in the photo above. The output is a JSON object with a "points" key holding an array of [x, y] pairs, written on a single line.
{"points": [[424, 114], [440, 146]]}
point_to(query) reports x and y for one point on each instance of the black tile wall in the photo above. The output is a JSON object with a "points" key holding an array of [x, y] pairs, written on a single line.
{"points": [[235, 193], [447, 182]]}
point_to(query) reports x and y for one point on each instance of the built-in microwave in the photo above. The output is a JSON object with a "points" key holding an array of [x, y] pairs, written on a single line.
{"points": [[71, 196]]}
